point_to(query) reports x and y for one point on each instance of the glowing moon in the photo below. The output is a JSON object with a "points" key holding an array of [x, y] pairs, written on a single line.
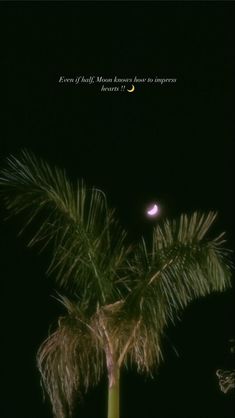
{"points": [[153, 210], [132, 89]]}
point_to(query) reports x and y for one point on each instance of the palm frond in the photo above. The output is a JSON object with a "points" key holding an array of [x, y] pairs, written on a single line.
{"points": [[182, 266], [88, 242], [70, 360]]}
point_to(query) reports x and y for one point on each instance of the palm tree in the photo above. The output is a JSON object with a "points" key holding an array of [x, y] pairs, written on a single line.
{"points": [[118, 298]]}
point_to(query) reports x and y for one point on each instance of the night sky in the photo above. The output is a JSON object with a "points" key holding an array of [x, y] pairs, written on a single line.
{"points": [[173, 144]]}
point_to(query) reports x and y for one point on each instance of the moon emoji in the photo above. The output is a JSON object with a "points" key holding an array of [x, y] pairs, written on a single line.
{"points": [[132, 89], [153, 210]]}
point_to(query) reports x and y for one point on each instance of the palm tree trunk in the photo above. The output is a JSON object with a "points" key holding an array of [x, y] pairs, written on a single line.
{"points": [[113, 396]]}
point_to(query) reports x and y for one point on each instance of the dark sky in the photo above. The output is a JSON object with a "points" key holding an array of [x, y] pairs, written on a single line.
{"points": [[172, 143]]}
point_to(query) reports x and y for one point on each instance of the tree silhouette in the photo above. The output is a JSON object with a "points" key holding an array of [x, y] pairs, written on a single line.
{"points": [[118, 297]]}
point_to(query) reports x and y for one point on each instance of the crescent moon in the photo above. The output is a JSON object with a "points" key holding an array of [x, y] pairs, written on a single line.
{"points": [[132, 89], [153, 211]]}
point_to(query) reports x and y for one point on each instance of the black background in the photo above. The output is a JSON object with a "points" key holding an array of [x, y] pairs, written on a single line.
{"points": [[171, 143]]}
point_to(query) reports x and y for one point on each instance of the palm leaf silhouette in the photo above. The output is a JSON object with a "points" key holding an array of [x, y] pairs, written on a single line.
{"points": [[118, 298]]}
